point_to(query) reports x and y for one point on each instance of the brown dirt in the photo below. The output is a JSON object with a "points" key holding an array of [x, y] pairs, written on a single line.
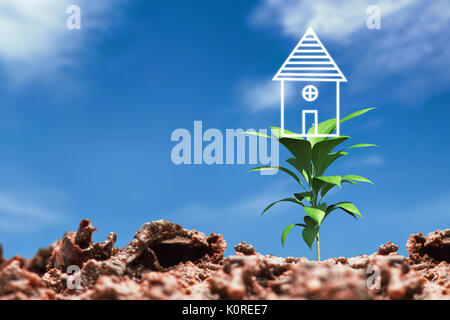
{"points": [[165, 261]]}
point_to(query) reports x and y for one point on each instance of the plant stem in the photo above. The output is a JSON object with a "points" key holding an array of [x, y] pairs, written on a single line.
{"points": [[318, 247]]}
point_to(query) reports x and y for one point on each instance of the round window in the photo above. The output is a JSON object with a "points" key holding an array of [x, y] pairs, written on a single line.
{"points": [[310, 93]]}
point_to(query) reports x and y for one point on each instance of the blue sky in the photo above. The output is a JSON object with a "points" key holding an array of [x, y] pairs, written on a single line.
{"points": [[86, 118]]}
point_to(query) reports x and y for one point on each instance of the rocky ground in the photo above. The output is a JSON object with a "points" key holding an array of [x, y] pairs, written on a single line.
{"points": [[165, 261]]}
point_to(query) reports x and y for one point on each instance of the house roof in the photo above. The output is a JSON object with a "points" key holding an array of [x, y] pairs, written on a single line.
{"points": [[310, 61]]}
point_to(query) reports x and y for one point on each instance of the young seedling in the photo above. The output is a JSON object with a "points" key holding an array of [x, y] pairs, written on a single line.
{"points": [[311, 158]]}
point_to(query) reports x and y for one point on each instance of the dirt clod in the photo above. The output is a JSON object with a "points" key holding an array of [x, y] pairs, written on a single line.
{"points": [[387, 248], [165, 261], [245, 248]]}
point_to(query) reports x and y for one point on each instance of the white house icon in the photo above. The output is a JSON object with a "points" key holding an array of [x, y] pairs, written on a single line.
{"points": [[309, 62]]}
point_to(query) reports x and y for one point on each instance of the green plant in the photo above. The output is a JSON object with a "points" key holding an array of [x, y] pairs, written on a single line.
{"points": [[311, 158]]}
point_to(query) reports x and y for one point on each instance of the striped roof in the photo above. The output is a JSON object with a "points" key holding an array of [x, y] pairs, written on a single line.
{"points": [[310, 61]]}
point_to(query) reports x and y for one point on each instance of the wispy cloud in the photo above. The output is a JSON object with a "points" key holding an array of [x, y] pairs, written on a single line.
{"points": [[35, 40], [332, 19], [29, 212], [414, 52], [264, 94], [260, 94], [411, 50]]}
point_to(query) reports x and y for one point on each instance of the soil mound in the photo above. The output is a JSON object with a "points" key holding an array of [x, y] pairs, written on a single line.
{"points": [[165, 261]]}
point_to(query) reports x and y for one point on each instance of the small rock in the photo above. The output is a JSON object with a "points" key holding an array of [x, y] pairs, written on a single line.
{"points": [[245, 248], [387, 248]]}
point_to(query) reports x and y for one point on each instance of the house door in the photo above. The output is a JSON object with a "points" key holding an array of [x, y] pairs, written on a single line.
{"points": [[309, 119]]}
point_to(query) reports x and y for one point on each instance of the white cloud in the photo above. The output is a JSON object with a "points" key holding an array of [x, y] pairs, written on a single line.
{"points": [[412, 49], [260, 94], [329, 18], [263, 94], [35, 40], [29, 212]]}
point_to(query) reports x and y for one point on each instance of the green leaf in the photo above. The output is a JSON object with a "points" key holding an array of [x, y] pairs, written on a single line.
{"points": [[256, 133], [329, 126], [321, 150], [325, 127], [333, 207], [289, 172], [316, 185], [349, 181], [330, 159], [300, 167], [330, 209], [293, 200], [356, 114], [331, 179], [356, 178], [303, 195], [325, 188], [309, 222], [348, 207], [276, 131], [316, 214], [362, 145], [309, 235], [286, 231], [301, 150], [323, 206]]}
